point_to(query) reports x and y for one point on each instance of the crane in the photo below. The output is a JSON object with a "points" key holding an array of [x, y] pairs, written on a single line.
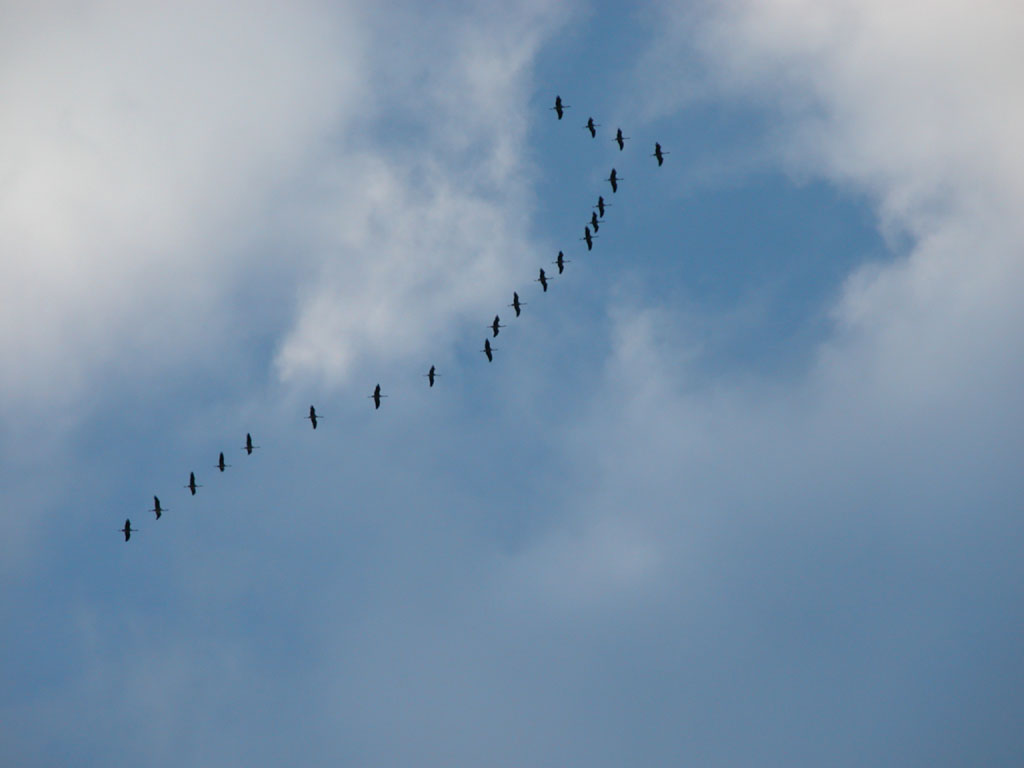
{"points": [[157, 508], [128, 530], [516, 303], [376, 396], [559, 106]]}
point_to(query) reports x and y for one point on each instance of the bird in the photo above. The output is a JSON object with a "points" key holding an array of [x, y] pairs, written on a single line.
{"points": [[601, 205], [516, 303], [220, 462], [431, 375], [157, 508], [543, 280], [561, 261], [249, 447], [593, 221], [312, 416], [590, 126], [496, 325], [659, 154], [589, 238], [620, 139], [614, 179], [559, 106], [488, 349], [128, 530], [192, 483], [376, 396]]}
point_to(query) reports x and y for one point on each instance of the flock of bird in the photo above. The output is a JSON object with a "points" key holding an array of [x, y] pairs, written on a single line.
{"points": [[596, 216]]}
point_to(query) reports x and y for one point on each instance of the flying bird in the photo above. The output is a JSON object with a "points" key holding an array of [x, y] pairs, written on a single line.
{"points": [[659, 154], [431, 375], [561, 261], [593, 221], [128, 530], [620, 139], [157, 508], [591, 126], [589, 238], [192, 483], [249, 447], [516, 303], [488, 349], [601, 205], [559, 106], [614, 179], [312, 416], [543, 280], [376, 396], [220, 462], [496, 325]]}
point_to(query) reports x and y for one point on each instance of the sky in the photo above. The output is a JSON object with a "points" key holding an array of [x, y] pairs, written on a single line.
{"points": [[742, 488]]}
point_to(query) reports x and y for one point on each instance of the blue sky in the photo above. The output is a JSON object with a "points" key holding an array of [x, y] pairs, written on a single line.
{"points": [[742, 488]]}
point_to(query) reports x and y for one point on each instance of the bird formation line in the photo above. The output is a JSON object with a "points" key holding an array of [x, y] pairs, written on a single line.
{"points": [[596, 216]]}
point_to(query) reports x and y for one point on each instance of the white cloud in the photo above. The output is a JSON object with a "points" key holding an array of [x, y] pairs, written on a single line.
{"points": [[142, 145]]}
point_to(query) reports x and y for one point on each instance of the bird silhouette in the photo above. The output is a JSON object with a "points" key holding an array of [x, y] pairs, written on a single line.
{"points": [[220, 462], [620, 139], [593, 221], [128, 530], [589, 238], [488, 349], [192, 483], [591, 126], [516, 303], [376, 396], [659, 154], [249, 447], [559, 106], [601, 205], [312, 416], [157, 508], [543, 280], [560, 262], [614, 179], [496, 325], [431, 375]]}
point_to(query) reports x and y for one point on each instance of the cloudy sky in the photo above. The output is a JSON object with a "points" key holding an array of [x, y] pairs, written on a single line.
{"points": [[744, 487]]}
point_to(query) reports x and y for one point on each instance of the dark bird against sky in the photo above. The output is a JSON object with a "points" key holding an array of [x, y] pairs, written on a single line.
{"points": [[157, 508], [376, 396], [192, 483], [431, 375], [249, 447], [659, 154], [614, 179], [620, 139], [220, 462], [496, 325], [488, 349], [559, 106], [516, 303], [543, 280], [128, 530], [312, 416], [560, 262], [592, 127]]}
